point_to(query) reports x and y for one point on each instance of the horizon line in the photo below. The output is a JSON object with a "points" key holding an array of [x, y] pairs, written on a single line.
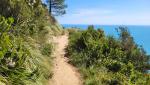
{"points": [[110, 24]]}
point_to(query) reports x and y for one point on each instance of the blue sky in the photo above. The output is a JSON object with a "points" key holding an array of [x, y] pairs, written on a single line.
{"points": [[107, 12], [111, 12]]}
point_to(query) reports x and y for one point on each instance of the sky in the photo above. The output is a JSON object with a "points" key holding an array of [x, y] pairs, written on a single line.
{"points": [[111, 12], [107, 12]]}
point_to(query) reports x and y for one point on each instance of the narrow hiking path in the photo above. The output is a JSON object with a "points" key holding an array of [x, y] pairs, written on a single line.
{"points": [[63, 72]]}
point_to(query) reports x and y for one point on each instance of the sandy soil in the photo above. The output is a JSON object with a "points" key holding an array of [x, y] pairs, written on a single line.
{"points": [[64, 73]]}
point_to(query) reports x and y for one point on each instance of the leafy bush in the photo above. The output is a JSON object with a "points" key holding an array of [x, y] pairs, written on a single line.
{"points": [[13, 54], [105, 60]]}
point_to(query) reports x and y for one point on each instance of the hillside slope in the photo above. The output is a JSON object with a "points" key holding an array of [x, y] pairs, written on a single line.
{"points": [[26, 30]]}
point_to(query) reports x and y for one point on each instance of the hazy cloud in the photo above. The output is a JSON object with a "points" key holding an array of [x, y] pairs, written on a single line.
{"points": [[104, 16]]}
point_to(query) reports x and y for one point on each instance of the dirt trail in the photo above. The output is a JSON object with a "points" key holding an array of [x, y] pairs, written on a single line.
{"points": [[64, 73]]}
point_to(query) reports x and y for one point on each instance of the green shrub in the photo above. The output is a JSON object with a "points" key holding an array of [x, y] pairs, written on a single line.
{"points": [[105, 60], [21, 60], [20, 64], [46, 49], [13, 55]]}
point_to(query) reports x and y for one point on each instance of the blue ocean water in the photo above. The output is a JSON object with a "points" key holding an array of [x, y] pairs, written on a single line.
{"points": [[141, 33]]}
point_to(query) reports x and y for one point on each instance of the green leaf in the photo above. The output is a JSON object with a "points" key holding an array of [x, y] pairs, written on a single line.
{"points": [[10, 20], [1, 54]]}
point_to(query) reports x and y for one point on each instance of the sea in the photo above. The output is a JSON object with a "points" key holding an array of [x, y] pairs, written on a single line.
{"points": [[140, 33]]}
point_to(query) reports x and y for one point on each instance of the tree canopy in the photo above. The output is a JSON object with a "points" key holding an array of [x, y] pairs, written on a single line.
{"points": [[56, 7]]}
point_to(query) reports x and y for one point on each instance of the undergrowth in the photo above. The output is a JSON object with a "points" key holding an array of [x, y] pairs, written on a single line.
{"points": [[25, 50], [106, 60]]}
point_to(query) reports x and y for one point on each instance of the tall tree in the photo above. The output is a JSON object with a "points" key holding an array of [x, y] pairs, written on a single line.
{"points": [[56, 7]]}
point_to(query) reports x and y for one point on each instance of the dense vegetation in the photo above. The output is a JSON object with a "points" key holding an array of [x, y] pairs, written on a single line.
{"points": [[25, 50], [106, 60], [25, 26]]}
